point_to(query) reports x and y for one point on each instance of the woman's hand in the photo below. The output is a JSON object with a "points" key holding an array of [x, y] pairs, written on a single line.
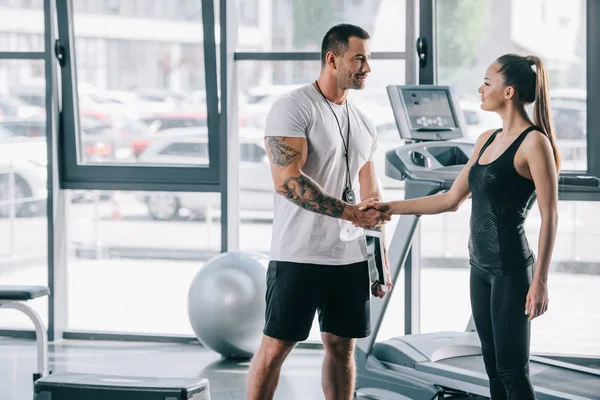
{"points": [[374, 203], [537, 299]]}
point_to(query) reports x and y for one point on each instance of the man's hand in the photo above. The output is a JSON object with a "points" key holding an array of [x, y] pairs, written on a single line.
{"points": [[366, 218], [370, 219], [380, 292]]}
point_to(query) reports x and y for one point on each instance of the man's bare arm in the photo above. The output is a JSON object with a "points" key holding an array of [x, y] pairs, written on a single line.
{"points": [[287, 157]]}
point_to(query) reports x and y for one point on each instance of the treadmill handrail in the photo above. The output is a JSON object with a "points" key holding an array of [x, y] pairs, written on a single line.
{"points": [[572, 180], [565, 365], [435, 129]]}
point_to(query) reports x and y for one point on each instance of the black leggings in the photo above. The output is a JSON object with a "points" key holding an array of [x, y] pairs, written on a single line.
{"points": [[498, 305]]}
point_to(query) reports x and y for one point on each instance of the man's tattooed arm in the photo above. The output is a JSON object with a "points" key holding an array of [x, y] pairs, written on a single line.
{"points": [[286, 155], [306, 193], [281, 154]]}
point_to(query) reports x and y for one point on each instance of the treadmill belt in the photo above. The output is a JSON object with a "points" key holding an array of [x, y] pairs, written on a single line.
{"points": [[542, 376]]}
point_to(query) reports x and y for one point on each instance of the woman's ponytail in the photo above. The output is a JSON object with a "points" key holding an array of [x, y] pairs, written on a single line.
{"points": [[541, 109]]}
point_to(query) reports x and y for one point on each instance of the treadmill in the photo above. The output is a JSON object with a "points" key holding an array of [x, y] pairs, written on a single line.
{"points": [[446, 364]]}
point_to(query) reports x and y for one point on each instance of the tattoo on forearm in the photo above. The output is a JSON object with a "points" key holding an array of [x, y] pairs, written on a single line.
{"points": [[281, 154], [304, 192]]}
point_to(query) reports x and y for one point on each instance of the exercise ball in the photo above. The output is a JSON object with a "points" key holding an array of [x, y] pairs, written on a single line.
{"points": [[226, 303]]}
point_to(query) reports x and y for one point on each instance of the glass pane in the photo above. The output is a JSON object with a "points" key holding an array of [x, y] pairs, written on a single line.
{"points": [[472, 34], [260, 84], [141, 85], [445, 273], [22, 25], [23, 224], [300, 25], [133, 256], [572, 323], [574, 278]]}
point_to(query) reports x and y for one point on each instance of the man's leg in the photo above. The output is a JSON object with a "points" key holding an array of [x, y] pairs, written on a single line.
{"points": [[293, 293], [265, 367], [344, 315], [338, 367]]}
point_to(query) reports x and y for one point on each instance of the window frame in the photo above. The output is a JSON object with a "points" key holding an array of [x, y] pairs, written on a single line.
{"points": [[200, 178]]}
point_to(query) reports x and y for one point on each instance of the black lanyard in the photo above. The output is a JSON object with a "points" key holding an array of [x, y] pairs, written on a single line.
{"points": [[348, 193]]}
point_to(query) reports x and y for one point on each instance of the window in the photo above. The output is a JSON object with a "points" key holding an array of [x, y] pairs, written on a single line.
{"points": [[145, 80], [471, 35], [300, 26], [248, 12], [133, 256], [141, 161], [18, 18], [33, 128], [160, 123], [252, 153], [23, 195], [6, 133], [185, 150]]}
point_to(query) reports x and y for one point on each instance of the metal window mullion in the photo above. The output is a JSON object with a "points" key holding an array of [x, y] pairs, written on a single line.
{"points": [[428, 73], [20, 55], [412, 34], [593, 87], [56, 202], [229, 144], [210, 76], [69, 118]]}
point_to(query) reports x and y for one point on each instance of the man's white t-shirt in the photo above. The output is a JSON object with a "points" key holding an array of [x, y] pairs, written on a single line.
{"points": [[304, 236]]}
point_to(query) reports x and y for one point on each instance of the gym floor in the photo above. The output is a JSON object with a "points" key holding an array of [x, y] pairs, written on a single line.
{"points": [[300, 378]]}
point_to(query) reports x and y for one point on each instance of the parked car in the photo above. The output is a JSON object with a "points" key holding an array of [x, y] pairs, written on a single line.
{"points": [[11, 106], [190, 146], [25, 160], [25, 127], [164, 123]]}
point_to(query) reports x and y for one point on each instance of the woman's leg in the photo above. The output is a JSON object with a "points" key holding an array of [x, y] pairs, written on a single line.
{"points": [[480, 288], [512, 332]]}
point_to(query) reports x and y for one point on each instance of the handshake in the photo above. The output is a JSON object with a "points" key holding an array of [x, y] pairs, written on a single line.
{"points": [[368, 214]]}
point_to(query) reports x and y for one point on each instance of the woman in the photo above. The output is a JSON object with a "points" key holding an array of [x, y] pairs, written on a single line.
{"points": [[507, 284]]}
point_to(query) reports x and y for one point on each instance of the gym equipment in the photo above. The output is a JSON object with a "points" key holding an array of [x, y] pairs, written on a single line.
{"points": [[67, 386], [439, 365], [226, 303], [15, 297]]}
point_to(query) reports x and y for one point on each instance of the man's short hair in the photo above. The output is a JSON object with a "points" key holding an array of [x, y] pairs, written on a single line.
{"points": [[336, 39]]}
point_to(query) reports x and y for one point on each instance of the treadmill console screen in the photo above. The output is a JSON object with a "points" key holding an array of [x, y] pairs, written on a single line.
{"points": [[428, 108], [427, 112]]}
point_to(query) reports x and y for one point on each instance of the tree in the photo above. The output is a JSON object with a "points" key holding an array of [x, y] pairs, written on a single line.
{"points": [[577, 74], [461, 26], [311, 20]]}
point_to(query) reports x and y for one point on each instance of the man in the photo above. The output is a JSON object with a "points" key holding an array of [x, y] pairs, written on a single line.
{"points": [[321, 149]]}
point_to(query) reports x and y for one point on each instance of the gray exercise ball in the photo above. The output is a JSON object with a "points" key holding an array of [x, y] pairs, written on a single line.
{"points": [[226, 303]]}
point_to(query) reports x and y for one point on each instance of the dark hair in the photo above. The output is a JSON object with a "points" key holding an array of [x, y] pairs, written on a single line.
{"points": [[336, 39], [531, 87]]}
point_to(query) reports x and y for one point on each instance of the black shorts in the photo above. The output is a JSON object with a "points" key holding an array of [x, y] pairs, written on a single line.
{"points": [[340, 293]]}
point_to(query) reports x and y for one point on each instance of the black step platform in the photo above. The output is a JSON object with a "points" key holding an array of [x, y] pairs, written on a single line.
{"points": [[69, 386]]}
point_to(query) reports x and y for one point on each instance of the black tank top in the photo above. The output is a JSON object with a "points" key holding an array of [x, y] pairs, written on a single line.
{"points": [[497, 240]]}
